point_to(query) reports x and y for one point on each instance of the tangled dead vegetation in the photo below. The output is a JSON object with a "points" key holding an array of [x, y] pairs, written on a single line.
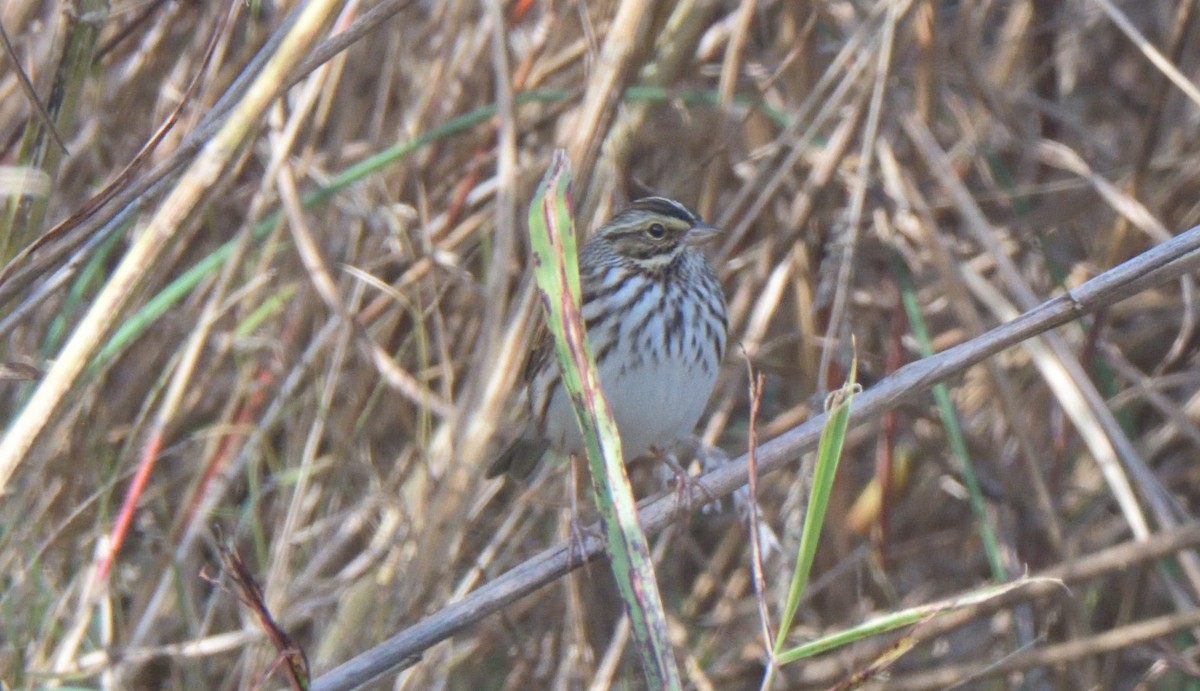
{"points": [[280, 336]]}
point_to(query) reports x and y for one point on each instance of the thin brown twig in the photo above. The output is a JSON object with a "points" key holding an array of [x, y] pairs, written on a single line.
{"points": [[30, 92], [756, 552]]}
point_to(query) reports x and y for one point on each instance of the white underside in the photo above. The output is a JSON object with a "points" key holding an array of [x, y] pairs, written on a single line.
{"points": [[654, 402], [653, 405]]}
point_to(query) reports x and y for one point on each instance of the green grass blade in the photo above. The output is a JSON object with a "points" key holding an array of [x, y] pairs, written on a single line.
{"points": [[557, 273], [907, 617], [954, 434], [829, 453]]}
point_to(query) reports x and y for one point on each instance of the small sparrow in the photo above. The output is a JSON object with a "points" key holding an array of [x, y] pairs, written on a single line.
{"points": [[656, 320]]}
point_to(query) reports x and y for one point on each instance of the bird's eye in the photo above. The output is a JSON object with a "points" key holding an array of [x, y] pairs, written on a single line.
{"points": [[657, 231]]}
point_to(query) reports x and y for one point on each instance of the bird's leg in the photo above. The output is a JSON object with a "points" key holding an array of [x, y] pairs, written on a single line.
{"points": [[713, 457], [578, 531], [683, 479]]}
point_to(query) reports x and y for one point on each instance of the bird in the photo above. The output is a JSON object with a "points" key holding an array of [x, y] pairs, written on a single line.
{"points": [[656, 319]]}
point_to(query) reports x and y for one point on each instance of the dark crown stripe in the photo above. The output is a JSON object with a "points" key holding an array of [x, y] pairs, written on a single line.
{"points": [[666, 207]]}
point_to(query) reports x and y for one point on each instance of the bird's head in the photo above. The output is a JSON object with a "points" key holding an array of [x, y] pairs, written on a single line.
{"points": [[654, 231]]}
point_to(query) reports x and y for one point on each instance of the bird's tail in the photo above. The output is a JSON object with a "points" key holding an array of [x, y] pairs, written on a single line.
{"points": [[520, 458]]}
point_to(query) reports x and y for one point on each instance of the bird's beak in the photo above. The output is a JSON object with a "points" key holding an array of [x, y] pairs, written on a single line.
{"points": [[701, 234]]}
